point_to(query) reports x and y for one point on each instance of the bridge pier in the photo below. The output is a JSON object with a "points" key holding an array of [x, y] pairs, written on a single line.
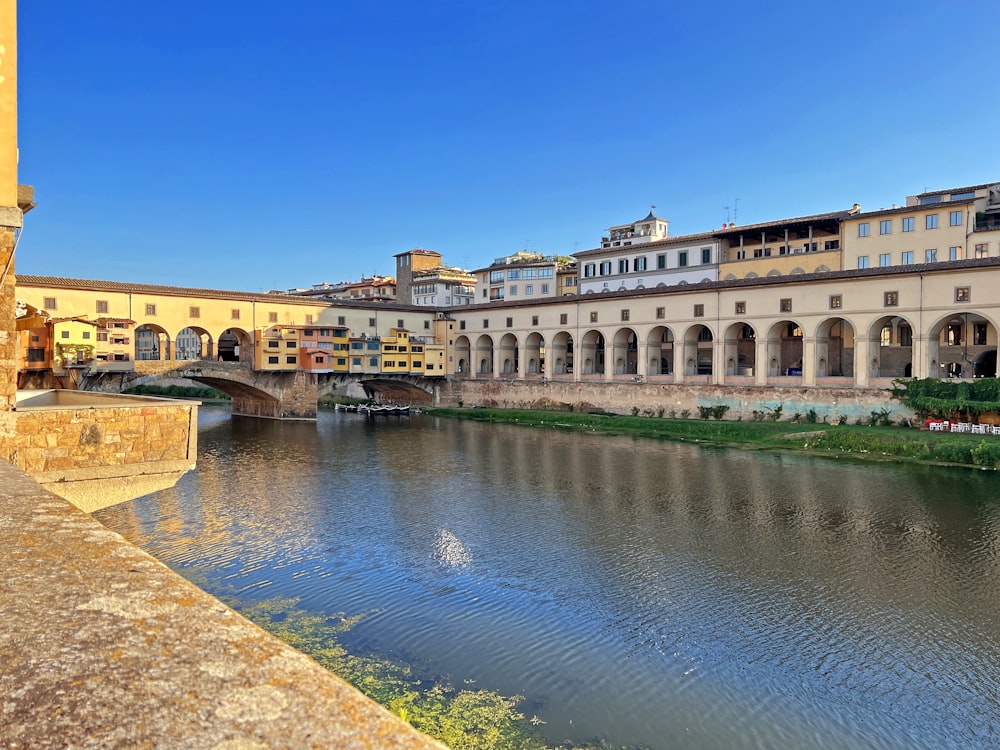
{"points": [[294, 397]]}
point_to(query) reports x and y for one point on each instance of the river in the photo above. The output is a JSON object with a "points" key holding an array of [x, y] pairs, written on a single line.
{"points": [[639, 592]]}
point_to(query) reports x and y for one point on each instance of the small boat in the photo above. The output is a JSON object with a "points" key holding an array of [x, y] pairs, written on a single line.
{"points": [[345, 407], [384, 410]]}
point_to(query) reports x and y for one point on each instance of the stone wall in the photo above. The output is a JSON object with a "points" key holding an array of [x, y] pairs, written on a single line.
{"points": [[673, 399], [8, 337]]}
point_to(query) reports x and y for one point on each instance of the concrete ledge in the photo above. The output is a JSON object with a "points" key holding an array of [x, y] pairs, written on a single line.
{"points": [[101, 646]]}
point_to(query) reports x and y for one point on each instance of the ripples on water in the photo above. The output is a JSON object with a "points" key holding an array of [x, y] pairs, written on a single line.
{"points": [[642, 592]]}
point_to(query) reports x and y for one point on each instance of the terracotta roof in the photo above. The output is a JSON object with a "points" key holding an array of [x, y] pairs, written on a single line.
{"points": [[964, 189], [913, 209], [815, 218], [177, 291], [104, 322]]}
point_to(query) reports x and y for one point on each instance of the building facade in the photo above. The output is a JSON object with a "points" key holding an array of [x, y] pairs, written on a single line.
{"points": [[524, 275]]}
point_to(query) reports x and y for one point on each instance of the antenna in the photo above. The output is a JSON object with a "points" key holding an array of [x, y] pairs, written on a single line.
{"points": [[736, 211], [726, 209]]}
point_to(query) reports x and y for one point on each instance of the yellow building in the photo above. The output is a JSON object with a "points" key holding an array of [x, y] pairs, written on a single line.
{"points": [[396, 354], [74, 343], [276, 348], [115, 345]]}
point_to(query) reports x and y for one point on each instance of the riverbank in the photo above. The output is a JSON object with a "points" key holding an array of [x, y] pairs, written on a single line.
{"points": [[873, 441]]}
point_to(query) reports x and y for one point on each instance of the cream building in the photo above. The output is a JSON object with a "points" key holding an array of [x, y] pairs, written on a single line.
{"points": [[524, 275]]}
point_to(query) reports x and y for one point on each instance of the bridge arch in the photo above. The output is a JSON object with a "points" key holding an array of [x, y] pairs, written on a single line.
{"points": [[152, 342], [835, 348], [463, 356], [193, 342], [235, 345]]}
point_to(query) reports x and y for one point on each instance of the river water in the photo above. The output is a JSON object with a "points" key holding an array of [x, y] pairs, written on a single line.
{"points": [[643, 593]]}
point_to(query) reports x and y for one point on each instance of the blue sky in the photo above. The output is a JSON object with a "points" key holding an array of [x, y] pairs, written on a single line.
{"points": [[256, 146]]}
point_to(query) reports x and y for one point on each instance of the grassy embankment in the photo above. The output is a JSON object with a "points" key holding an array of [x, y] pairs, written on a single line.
{"points": [[874, 441]]}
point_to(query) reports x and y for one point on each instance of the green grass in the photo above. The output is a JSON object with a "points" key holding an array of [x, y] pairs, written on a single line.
{"points": [[865, 442]]}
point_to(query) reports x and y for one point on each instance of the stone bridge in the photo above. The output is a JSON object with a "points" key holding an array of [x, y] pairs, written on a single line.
{"points": [[270, 395]]}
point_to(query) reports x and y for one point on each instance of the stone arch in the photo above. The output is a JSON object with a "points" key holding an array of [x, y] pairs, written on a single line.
{"points": [[484, 355], [508, 355], [773, 272], [660, 351], [730, 277], [821, 268], [592, 352], [796, 271], [626, 352], [784, 349], [534, 353], [751, 275], [235, 345], [562, 353], [890, 345], [463, 355], [152, 342], [740, 349], [964, 345], [193, 342], [835, 348], [699, 346]]}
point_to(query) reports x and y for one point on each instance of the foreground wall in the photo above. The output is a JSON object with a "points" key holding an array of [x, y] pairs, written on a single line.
{"points": [[673, 400], [104, 647], [103, 450]]}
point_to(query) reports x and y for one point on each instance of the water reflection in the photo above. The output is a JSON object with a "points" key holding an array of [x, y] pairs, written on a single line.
{"points": [[652, 593]]}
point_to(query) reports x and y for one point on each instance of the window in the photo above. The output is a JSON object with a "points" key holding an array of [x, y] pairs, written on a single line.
{"points": [[593, 317], [49, 303], [273, 344], [884, 259], [513, 274], [234, 314], [510, 322], [496, 277], [534, 320], [979, 334], [373, 361], [64, 334], [589, 270], [86, 334], [102, 306], [963, 293], [885, 226], [461, 325], [623, 265], [885, 335], [682, 259], [372, 322], [741, 308], [908, 224], [930, 256], [982, 251], [862, 261], [639, 264], [606, 268], [625, 316], [400, 323], [563, 319], [661, 313], [529, 288], [905, 335], [661, 261], [569, 282], [545, 273], [864, 229], [529, 273], [291, 359], [486, 322], [272, 360], [151, 310], [706, 255], [930, 221], [891, 299], [907, 258], [836, 301], [785, 305], [290, 344], [699, 311], [955, 219], [952, 253], [272, 317], [513, 290], [831, 245]]}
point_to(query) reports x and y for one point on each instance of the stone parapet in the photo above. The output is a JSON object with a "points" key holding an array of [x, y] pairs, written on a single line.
{"points": [[104, 647]]}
